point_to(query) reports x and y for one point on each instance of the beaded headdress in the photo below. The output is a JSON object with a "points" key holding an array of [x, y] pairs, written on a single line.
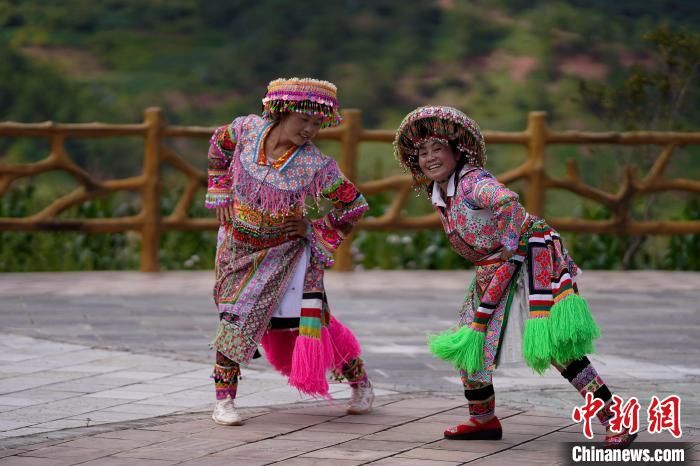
{"points": [[302, 95], [443, 124]]}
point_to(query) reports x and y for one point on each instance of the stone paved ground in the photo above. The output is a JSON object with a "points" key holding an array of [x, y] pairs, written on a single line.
{"points": [[111, 368], [403, 430]]}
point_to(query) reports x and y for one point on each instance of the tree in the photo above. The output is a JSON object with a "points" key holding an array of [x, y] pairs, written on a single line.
{"points": [[661, 97]]}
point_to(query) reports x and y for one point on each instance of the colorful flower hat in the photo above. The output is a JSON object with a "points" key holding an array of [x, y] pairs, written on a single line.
{"points": [[302, 95], [444, 124]]}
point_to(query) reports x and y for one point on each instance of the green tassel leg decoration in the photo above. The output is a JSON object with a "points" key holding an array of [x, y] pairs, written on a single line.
{"points": [[537, 344], [572, 329], [463, 348]]}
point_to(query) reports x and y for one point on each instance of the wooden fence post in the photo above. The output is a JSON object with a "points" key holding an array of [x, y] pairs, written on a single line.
{"points": [[537, 132], [352, 127], [150, 213]]}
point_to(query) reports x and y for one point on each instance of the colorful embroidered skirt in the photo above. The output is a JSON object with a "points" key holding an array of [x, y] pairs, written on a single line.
{"points": [[544, 282], [250, 283]]}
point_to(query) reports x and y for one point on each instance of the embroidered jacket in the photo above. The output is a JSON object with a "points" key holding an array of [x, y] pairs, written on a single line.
{"points": [[481, 217], [264, 195]]}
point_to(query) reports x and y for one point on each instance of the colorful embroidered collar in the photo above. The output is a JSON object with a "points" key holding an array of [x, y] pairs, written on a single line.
{"points": [[282, 162]]}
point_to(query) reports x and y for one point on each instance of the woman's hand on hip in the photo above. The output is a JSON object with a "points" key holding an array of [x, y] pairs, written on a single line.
{"points": [[296, 227], [224, 214]]}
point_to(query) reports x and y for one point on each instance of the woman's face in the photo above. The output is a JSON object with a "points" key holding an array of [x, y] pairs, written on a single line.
{"points": [[299, 127], [437, 161]]}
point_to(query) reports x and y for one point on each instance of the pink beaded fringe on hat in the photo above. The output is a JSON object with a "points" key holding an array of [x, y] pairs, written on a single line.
{"points": [[302, 95]]}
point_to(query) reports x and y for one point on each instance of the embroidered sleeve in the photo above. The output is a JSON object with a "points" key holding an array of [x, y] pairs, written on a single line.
{"points": [[348, 205], [221, 147], [489, 193]]}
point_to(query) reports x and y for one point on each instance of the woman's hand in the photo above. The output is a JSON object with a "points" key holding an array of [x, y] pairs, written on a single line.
{"points": [[296, 227], [224, 214]]}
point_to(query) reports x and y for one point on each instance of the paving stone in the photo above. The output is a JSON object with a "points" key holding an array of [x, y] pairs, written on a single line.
{"points": [[187, 427], [208, 445], [94, 417], [145, 410], [31, 461], [439, 455], [270, 450], [525, 457], [291, 419], [107, 443], [539, 420], [160, 453], [338, 452], [539, 445], [211, 460], [27, 382], [117, 461], [309, 435], [380, 445], [435, 404], [305, 461], [473, 446], [568, 437], [235, 434], [4, 452], [413, 432], [394, 461], [154, 436], [24, 431], [348, 428], [14, 424], [61, 424], [183, 398], [372, 418], [39, 395], [75, 454], [330, 410]]}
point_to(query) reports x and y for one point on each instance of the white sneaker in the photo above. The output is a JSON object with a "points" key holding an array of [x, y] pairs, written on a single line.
{"points": [[225, 413], [361, 399]]}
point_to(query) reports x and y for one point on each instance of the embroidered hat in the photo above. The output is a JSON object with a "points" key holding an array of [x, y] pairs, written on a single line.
{"points": [[444, 124], [302, 95]]}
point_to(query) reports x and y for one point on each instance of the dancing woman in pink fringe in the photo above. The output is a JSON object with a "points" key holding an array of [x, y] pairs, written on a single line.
{"points": [[270, 258]]}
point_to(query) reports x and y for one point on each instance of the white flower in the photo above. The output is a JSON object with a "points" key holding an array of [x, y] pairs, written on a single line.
{"points": [[432, 249]]}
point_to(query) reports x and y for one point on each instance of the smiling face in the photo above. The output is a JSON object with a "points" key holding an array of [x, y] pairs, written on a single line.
{"points": [[436, 160], [300, 128]]}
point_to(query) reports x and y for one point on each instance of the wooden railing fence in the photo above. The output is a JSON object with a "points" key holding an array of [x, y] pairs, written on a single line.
{"points": [[149, 223]]}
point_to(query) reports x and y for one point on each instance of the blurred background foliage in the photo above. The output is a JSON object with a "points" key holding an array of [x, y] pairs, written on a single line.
{"points": [[594, 65]]}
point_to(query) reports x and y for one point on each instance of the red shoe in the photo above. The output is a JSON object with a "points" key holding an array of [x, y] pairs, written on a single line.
{"points": [[489, 430], [621, 440]]}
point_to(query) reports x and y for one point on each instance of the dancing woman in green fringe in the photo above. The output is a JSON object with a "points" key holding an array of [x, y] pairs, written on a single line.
{"points": [[523, 302]]}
